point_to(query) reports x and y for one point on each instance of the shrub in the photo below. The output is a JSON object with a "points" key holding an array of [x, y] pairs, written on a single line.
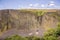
{"points": [[16, 37], [52, 34]]}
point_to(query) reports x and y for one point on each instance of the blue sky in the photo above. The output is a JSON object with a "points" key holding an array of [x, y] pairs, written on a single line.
{"points": [[29, 4]]}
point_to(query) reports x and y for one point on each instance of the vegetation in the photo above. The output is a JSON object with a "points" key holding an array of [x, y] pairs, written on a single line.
{"points": [[39, 13], [17, 37], [52, 34], [36, 12]]}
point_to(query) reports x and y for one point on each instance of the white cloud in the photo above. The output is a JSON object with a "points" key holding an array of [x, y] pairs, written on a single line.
{"points": [[51, 1], [30, 5], [42, 5], [36, 5], [52, 4], [33, 5]]}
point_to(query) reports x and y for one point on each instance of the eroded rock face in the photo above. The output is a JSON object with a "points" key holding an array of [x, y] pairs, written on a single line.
{"points": [[49, 20], [25, 23]]}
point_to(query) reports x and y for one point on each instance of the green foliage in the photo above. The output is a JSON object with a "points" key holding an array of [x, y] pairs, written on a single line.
{"points": [[58, 30], [39, 13], [16, 37], [50, 38], [52, 34], [33, 38]]}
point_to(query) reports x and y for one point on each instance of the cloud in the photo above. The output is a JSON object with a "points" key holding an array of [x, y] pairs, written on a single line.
{"points": [[30, 5], [36, 5], [52, 2], [42, 5]]}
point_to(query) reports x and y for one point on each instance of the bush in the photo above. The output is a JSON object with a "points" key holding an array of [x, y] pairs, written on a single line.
{"points": [[16, 37], [33, 38], [52, 34], [50, 38]]}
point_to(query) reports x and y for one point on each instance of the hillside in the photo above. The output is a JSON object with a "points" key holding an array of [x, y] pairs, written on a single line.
{"points": [[27, 22]]}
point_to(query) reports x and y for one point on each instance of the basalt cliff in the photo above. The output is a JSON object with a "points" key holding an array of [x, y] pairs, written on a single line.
{"points": [[27, 22]]}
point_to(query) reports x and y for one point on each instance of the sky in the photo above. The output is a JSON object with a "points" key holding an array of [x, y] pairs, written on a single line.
{"points": [[29, 4]]}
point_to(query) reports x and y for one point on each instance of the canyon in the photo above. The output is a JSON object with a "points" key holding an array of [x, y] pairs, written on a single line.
{"points": [[27, 22]]}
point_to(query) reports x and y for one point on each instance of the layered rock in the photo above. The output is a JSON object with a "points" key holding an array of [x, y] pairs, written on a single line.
{"points": [[26, 23]]}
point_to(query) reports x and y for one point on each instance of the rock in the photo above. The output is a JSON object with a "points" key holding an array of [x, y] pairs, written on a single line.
{"points": [[23, 23]]}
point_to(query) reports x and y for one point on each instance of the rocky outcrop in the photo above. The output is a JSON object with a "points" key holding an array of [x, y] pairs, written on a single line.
{"points": [[25, 23]]}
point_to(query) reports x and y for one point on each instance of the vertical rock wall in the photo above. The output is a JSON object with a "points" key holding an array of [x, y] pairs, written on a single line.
{"points": [[25, 23]]}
